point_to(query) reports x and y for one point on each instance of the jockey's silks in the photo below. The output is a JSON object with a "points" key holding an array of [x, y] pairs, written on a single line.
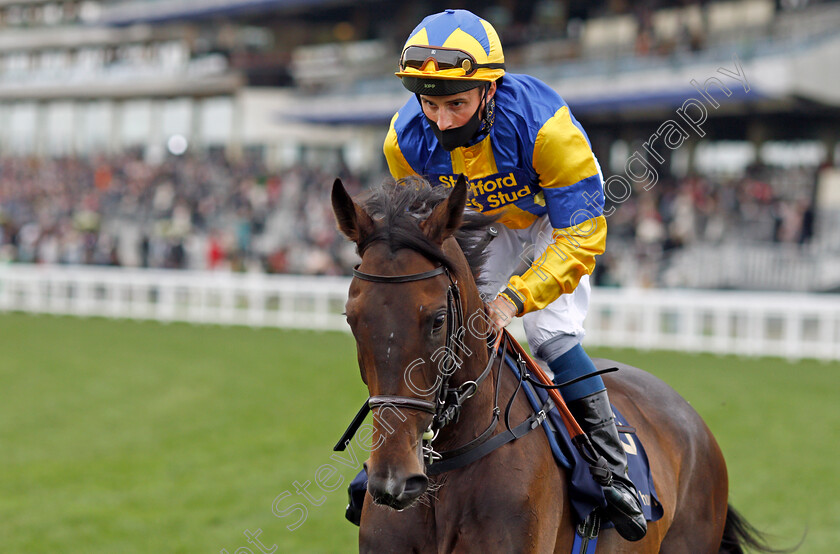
{"points": [[535, 161]]}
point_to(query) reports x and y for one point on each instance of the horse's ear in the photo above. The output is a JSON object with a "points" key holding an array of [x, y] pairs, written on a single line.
{"points": [[446, 217], [352, 220]]}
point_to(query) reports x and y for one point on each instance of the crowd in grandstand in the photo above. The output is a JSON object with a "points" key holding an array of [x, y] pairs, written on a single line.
{"points": [[758, 207], [210, 213], [190, 213]]}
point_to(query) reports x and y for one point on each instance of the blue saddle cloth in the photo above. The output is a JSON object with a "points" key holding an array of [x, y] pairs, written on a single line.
{"points": [[585, 495]]}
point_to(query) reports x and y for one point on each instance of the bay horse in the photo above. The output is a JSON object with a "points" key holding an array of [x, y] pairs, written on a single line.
{"points": [[400, 310]]}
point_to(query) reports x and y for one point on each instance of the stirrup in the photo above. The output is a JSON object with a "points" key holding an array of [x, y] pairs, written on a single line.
{"points": [[625, 511]]}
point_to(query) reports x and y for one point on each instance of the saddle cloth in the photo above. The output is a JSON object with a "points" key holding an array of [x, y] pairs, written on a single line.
{"points": [[585, 494]]}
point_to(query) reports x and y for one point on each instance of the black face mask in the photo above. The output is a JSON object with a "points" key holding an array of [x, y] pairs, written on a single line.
{"points": [[451, 139]]}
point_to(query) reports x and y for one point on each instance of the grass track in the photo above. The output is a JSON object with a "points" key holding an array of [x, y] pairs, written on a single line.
{"points": [[129, 437]]}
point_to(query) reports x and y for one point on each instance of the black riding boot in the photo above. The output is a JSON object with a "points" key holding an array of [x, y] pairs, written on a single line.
{"points": [[594, 415]]}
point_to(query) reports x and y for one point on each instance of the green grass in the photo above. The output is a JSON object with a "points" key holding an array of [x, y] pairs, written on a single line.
{"points": [[119, 436]]}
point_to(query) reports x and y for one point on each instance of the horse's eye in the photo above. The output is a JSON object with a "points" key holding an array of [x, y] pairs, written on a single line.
{"points": [[440, 319]]}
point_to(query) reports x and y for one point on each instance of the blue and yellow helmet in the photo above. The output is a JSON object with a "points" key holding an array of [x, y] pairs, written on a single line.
{"points": [[450, 52]]}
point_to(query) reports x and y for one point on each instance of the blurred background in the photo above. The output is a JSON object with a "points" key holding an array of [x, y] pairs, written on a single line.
{"points": [[172, 159], [204, 135]]}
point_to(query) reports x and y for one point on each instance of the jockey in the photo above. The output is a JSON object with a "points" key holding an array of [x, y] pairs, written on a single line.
{"points": [[528, 162]]}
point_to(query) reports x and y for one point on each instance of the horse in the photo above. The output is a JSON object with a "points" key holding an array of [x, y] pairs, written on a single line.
{"points": [[415, 289]]}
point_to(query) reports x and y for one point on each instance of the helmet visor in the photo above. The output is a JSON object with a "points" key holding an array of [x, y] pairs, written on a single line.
{"points": [[417, 57]]}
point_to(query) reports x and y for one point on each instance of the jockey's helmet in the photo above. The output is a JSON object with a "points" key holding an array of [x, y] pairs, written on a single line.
{"points": [[451, 52]]}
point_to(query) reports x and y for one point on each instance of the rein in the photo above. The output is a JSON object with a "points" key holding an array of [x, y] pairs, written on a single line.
{"points": [[447, 406]]}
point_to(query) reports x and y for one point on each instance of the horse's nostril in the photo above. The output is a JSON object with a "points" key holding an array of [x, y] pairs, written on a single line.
{"points": [[415, 486], [384, 490], [396, 493]]}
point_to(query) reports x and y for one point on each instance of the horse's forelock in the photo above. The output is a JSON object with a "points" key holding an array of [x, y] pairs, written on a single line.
{"points": [[397, 209]]}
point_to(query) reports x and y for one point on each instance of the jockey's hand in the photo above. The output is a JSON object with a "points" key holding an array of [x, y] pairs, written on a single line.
{"points": [[501, 312]]}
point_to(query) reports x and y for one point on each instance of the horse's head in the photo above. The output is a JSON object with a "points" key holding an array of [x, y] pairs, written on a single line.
{"points": [[401, 311]]}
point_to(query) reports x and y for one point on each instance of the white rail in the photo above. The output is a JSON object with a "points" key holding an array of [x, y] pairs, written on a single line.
{"points": [[748, 323], [791, 325], [191, 296]]}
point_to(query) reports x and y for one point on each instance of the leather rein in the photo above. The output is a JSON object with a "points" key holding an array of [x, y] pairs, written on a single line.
{"points": [[447, 406]]}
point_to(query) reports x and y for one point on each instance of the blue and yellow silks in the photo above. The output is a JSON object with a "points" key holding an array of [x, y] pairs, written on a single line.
{"points": [[535, 161]]}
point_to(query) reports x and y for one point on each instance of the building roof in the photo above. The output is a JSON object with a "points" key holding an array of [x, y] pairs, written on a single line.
{"points": [[163, 11]]}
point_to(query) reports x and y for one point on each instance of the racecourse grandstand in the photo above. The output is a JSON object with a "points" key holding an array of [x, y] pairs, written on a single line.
{"points": [[190, 134]]}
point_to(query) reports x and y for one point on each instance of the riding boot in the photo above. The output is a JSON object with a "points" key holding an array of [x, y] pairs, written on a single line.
{"points": [[594, 415]]}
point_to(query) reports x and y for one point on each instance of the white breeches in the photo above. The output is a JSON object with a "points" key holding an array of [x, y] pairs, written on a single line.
{"points": [[510, 253]]}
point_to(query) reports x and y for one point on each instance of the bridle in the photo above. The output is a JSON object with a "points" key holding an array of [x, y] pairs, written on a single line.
{"points": [[446, 407]]}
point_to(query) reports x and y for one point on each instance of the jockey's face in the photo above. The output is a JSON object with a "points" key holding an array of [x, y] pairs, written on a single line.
{"points": [[454, 110]]}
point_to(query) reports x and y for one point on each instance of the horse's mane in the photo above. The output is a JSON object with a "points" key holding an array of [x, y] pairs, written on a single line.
{"points": [[397, 209]]}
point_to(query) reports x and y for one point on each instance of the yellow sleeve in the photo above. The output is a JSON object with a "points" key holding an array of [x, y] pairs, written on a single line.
{"points": [[397, 164], [559, 269], [573, 190]]}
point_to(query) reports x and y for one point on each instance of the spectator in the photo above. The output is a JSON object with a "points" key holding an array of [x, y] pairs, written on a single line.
{"points": [[209, 213]]}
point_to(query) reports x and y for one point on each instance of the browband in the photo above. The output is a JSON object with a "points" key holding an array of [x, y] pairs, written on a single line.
{"points": [[399, 278]]}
